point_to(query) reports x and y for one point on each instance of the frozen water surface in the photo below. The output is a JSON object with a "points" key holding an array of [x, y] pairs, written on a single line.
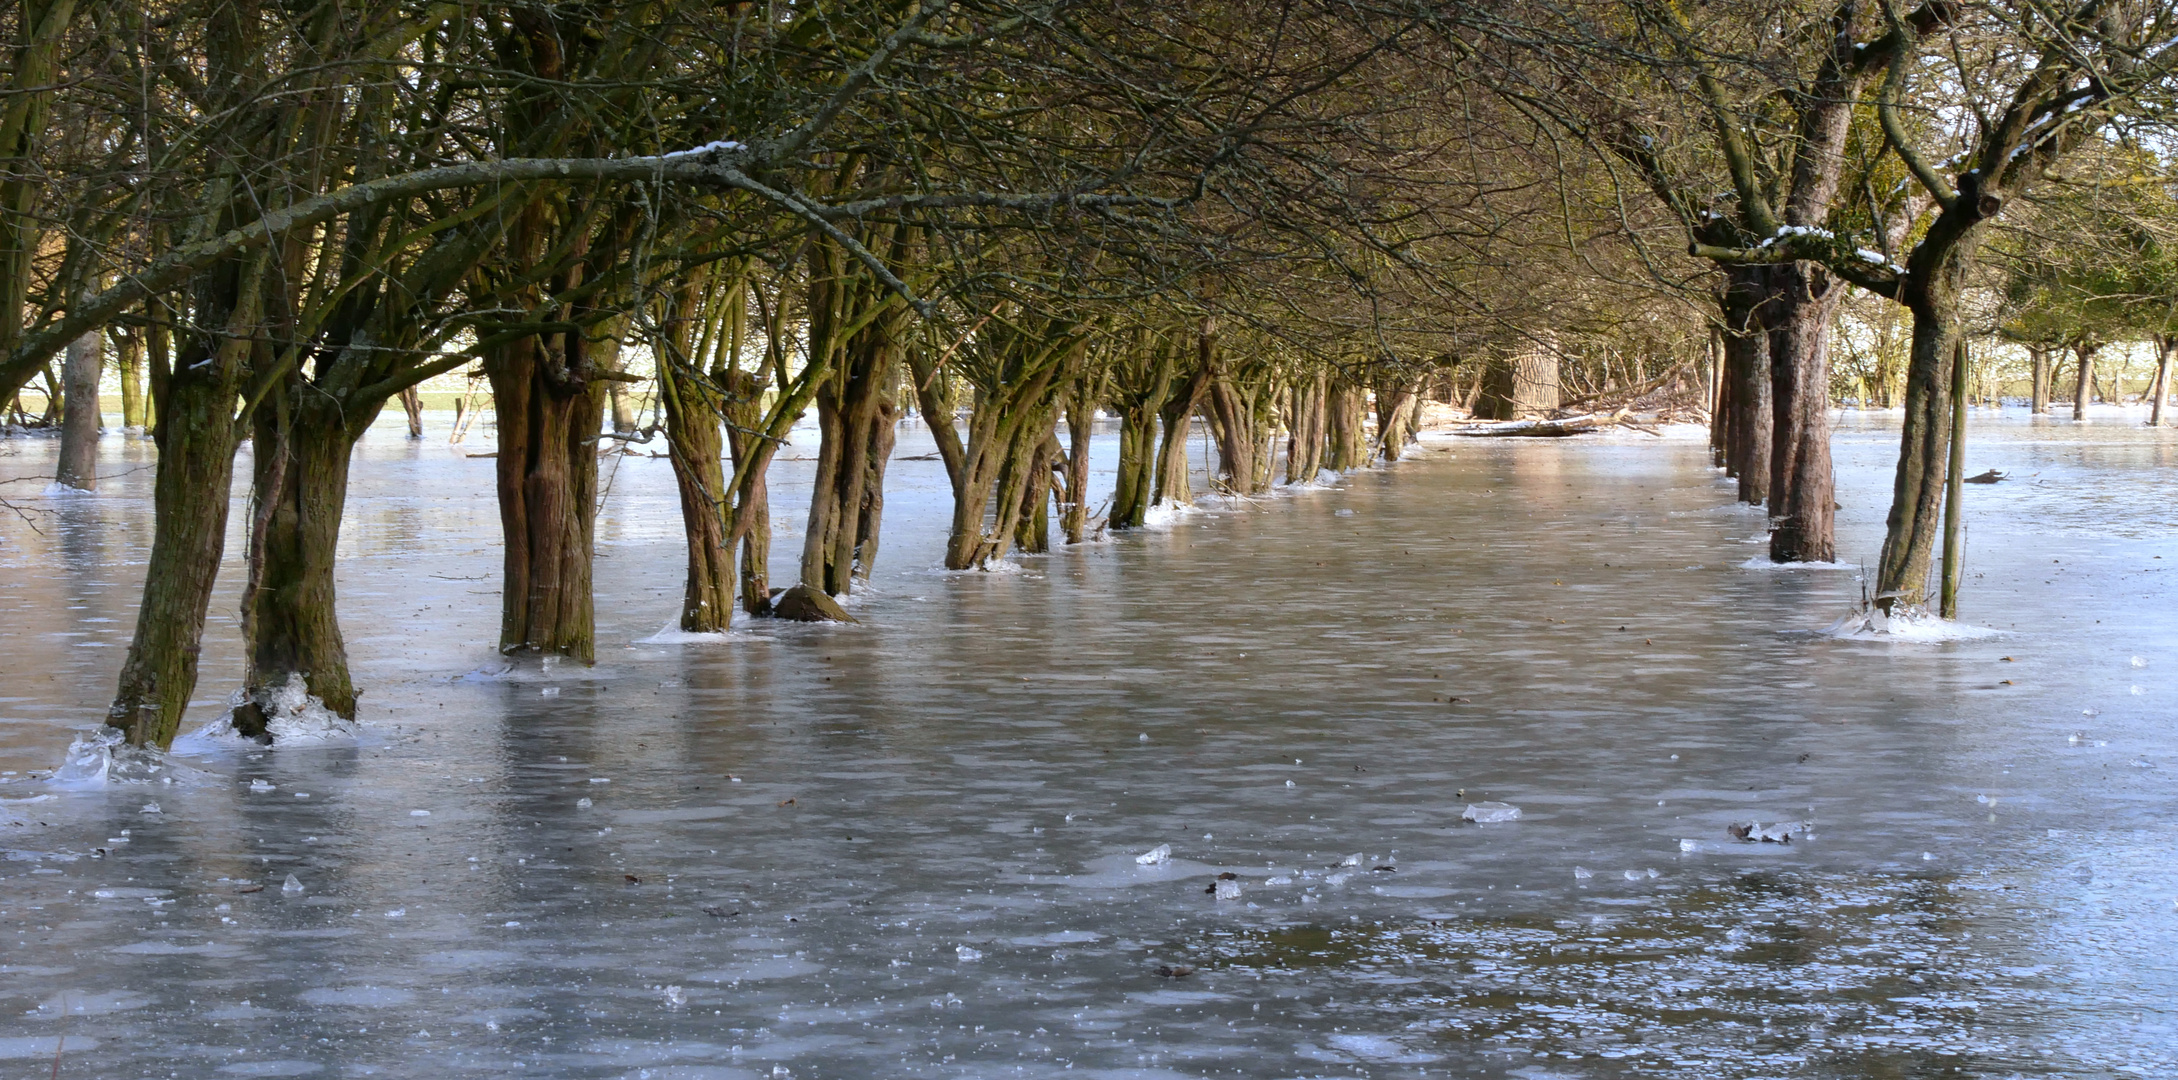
{"points": [[929, 864]]}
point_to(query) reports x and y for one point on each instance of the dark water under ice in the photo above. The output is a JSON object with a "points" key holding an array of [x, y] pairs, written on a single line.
{"points": [[909, 848]]}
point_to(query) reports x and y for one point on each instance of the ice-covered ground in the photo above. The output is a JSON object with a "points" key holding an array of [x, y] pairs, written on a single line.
{"points": [[917, 846]]}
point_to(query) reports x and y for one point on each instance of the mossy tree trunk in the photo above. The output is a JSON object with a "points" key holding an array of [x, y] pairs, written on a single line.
{"points": [[196, 429], [1141, 380]]}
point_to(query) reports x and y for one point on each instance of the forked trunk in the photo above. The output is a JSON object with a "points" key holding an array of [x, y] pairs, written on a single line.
{"points": [[694, 419], [412, 404], [1346, 436], [1304, 429]]}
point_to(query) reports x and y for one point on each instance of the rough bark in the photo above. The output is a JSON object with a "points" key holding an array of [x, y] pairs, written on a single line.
{"points": [[1346, 435], [1522, 384], [1804, 298], [196, 433], [1074, 489], [1304, 429], [1176, 417], [302, 446], [549, 413], [694, 420], [78, 466]]}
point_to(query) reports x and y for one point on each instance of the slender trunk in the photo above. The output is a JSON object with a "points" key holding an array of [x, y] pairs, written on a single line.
{"points": [[412, 404], [1954, 487], [856, 414], [1716, 398], [623, 408], [1080, 414], [78, 467], [128, 357], [2165, 346], [1802, 489], [158, 369], [2039, 393], [2086, 379], [1233, 424]]}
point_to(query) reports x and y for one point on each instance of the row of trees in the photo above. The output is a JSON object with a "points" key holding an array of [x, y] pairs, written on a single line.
{"points": [[1291, 219]]}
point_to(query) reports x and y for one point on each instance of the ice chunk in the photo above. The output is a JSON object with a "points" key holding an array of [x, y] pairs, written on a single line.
{"points": [[675, 997], [149, 808], [419, 813], [89, 759], [1691, 846], [584, 803], [291, 886], [1582, 873], [1339, 878], [1351, 860], [2140, 661], [549, 691], [966, 953], [397, 913], [1483, 813], [1160, 854], [1754, 832], [1228, 890], [259, 787]]}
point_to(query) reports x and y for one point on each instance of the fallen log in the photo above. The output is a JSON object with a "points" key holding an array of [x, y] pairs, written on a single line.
{"points": [[1553, 429]]}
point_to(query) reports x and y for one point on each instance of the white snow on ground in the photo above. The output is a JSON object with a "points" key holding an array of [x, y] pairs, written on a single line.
{"points": [[1917, 627], [1762, 562]]}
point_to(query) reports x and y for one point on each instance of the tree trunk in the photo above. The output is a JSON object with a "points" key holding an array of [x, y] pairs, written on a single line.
{"points": [[128, 356], [290, 627], [1137, 467], [2165, 346], [2039, 394], [1718, 399], [1346, 436], [1237, 431], [751, 511], [78, 466], [412, 404], [196, 429], [548, 416], [1304, 429], [1802, 488], [1394, 422], [1080, 416], [694, 419], [1177, 415], [1747, 369], [2086, 378], [1523, 384], [856, 415]]}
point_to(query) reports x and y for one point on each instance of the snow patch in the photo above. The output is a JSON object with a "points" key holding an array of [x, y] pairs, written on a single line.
{"points": [[1913, 625], [672, 634], [1762, 562]]}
